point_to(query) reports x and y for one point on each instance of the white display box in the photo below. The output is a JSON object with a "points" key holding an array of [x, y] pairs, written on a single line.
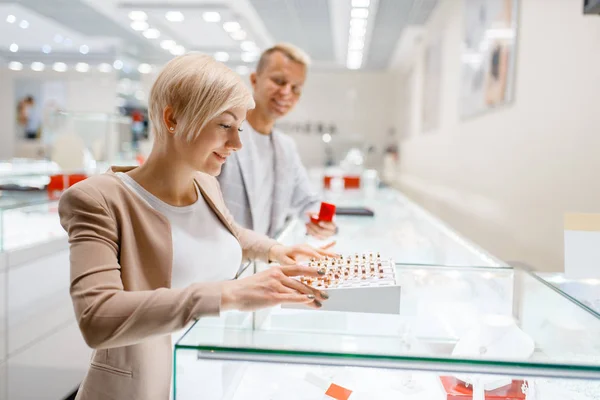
{"points": [[582, 246], [365, 284]]}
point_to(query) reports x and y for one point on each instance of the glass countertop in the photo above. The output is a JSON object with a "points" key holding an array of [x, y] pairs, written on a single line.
{"points": [[400, 229], [584, 291], [445, 312]]}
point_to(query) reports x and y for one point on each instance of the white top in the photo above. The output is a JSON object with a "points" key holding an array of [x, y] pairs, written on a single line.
{"points": [[203, 248], [264, 180]]}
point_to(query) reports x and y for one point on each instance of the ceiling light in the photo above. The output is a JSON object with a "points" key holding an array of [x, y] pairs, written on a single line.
{"points": [[68, 42], [248, 46], [118, 64], [222, 56], [24, 24], [358, 23], [144, 68], [360, 3], [105, 68], [84, 49], [37, 66], [138, 15], [249, 57], [242, 70], [139, 25], [355, 55], [174, 16], [168, 44], [356, 43], [357, 32], [58, 38], [352, 65], [82, 67], [211, 16], [11, 19], [178, 50], [46, 49], [238, 35], [359, 13], [15, 66], [152, 33], [14, 47], [231, 26], [326, 137], [59, 67]]}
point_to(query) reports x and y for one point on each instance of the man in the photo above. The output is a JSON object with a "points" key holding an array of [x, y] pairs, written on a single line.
{"points": [[265, 182]]}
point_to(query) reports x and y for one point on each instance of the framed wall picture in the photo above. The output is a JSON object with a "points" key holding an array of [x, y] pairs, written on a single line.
{"points": [[488, 55]]}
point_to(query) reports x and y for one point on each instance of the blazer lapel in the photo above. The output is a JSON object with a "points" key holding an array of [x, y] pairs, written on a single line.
{"points": [[246, 163], [280, 178]]}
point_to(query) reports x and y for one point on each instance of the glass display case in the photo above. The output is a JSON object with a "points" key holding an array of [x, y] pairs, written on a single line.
{"points": [[584, 291], [459, 329]]}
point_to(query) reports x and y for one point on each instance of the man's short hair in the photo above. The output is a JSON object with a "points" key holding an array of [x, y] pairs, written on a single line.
{"points": [[289, 50]]}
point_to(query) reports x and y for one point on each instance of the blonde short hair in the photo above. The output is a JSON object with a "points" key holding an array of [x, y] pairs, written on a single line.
{"points": [[198, 88], [292, 52]]}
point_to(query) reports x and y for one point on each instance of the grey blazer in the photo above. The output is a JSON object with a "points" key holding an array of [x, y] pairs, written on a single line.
{"points": [[293, 194]]}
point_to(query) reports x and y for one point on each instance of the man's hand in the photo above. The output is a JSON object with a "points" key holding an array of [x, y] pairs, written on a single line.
{"points": [[287, 255], [321, 230]]}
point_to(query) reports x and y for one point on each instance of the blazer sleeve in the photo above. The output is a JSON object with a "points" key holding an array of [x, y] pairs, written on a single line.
{"points": [[254, 245], [108, 315]]}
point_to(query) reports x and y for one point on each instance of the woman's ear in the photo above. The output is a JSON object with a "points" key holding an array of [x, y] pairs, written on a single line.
{"points": [[169, 119]]}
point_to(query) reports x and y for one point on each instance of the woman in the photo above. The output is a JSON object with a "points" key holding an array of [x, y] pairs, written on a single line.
{"points": [[153, 248]]}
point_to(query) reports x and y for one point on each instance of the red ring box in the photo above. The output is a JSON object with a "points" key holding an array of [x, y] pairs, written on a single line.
{"points": [[326, 213]]}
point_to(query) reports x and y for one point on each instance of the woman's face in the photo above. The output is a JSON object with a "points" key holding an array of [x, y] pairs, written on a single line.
{"points": [[219, 138]]}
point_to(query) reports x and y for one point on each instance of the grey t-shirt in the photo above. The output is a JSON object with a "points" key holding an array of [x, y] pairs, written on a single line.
{"points": [[264, 180]]}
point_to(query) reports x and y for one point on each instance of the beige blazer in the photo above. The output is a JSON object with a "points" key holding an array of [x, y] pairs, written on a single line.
{"points": [[121, 262]]}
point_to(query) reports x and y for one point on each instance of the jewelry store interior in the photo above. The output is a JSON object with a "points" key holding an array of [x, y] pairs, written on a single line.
{"points": [[452, 146]]}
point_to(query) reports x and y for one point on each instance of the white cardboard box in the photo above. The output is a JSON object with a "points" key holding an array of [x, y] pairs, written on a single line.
{"points": [[582, 246], [371, 295]]}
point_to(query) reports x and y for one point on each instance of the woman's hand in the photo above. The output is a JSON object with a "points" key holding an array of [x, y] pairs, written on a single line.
{"points": [[270, 288], [286, 255]]}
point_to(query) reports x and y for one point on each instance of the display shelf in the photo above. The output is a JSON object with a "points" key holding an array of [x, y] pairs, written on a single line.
{"points": [[400, 229], [440, 307]]}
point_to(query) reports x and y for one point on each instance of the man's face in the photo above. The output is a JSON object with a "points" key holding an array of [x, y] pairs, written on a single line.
{"points": [[277, 88]]}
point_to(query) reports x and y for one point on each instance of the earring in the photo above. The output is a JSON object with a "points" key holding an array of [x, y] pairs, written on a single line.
{"points": [[171, 129]]}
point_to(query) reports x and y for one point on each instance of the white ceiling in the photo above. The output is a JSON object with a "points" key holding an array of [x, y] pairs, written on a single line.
{"points": [[318, 26]]}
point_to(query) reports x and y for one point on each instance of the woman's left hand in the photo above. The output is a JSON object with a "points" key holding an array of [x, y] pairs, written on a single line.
{"points": [[287, 255]]}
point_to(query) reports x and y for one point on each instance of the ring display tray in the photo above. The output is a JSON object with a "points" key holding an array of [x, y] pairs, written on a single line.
{"points": [[360, 283]]}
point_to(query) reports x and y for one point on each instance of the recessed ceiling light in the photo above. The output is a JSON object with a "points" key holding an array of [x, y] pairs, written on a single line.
{"points": [[37, 66], [11, 19], [58, 38], [138, 15], [356, 43], [84, 49], [24, 24], [211, 16], [168, 44], [231, 26], [118, 64], [174, 16], [242, 70], [358, 23], [357, 32], [139, 25], [105, 68], [178, 50], [152, 33], [14, 47], [238, 35], [249, 57], [144, 68], [326, 137], [222, 56], [46, 49], [352, 65], [361, 3], [15, 66], [359, 13], [59, 67], [82, 67], [248, 45]]}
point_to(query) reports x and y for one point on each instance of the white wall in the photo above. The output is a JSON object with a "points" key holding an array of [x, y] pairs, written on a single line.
{"points": [[85, 92], [506, 178]]}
